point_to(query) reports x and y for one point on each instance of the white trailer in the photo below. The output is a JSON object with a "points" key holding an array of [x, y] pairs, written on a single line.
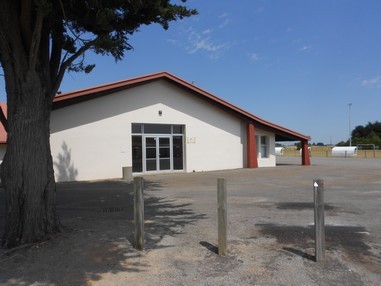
{"points": [[279, 151], [344, 151]]}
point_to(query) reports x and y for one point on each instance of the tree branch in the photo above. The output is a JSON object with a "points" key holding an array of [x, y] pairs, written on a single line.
{"points": [[36, 38], [66, 64], [6, 45], [25, 23], [56, 51], [77, 36]]}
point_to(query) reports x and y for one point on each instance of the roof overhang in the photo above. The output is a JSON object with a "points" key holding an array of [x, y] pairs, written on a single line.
{"points": [[74, 97]]}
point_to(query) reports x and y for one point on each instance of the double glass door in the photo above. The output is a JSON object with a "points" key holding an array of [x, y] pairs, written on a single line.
{"points": [[158, 150], [157, 147]]}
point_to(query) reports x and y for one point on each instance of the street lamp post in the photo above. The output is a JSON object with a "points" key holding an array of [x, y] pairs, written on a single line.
{"points": [[350, 135]]}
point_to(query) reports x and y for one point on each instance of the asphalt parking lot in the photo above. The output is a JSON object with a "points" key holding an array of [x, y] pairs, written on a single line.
{"points": [[270, 230]]}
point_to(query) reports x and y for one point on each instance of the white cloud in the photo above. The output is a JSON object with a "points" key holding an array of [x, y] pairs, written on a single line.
{"points": [[253, 57], [207, 31], [225, 19], [372, 82], [224, 23], [205, 39], [304, 48], [206, 44], [173, 41]]}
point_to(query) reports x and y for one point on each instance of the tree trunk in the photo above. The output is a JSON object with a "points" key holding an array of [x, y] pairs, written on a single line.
{"points": [[27, 169]]}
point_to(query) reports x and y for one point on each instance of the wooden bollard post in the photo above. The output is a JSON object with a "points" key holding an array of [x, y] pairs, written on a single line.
{"points": [[222, 217], [139, 212], [319, 220]]}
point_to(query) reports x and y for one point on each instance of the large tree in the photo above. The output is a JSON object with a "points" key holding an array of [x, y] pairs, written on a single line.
{"points": [[368, 134], [39, 41]]}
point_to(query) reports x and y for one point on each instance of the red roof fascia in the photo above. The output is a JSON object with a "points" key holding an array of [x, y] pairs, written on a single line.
{"points": [[240, 111], [93, 92], [73, 97], [105, 88]]}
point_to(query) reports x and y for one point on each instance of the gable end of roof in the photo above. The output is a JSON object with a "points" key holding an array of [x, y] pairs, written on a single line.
{"points": [[74, 97]]}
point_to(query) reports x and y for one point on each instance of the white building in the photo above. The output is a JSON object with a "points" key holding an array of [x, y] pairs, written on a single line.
{"points": [[157, 123]]}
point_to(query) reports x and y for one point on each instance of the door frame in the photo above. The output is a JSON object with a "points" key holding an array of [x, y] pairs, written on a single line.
{"points": [[157, 147], [139, 150]]}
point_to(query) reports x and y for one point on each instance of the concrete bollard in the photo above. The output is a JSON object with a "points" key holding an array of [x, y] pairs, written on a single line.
{"points": [[139, 212], [318, 186], [127, 174], [222, 217]]}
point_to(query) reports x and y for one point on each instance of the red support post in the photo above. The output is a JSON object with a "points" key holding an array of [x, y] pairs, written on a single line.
{"points": [[305, 153], [252, 160]]}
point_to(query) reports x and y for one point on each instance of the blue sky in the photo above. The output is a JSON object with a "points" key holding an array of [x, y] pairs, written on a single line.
{"points": [[297, 63]]}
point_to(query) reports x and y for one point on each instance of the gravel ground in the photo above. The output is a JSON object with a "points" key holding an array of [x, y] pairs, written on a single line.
{"points": [[270, 230]]}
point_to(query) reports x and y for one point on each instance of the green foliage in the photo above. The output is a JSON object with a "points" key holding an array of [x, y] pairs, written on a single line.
{"points": [[105, 26], [81, 67], [368, 134], [371, 138], [55, 34], [343, 143]]}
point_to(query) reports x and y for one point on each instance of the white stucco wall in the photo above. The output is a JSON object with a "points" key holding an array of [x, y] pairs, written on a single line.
{"points": [[92, 140]]}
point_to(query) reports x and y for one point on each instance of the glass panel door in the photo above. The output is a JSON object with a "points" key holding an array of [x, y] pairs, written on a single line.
{"points": [[177, 152], [164, 153], [137, 153], [151, 154], [158, 153]]}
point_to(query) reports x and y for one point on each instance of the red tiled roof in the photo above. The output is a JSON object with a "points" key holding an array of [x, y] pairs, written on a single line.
{"points": [[73, 97], [69, 98]]}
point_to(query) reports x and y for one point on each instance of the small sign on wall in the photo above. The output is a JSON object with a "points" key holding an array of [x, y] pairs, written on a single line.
{"points": [[191, 140]]}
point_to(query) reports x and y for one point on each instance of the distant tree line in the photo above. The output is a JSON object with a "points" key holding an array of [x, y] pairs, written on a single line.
{"points": [[299, 145], [368, 134]]}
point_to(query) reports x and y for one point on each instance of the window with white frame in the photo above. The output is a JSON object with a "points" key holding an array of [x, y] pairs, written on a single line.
{"points": [[264, 146]]}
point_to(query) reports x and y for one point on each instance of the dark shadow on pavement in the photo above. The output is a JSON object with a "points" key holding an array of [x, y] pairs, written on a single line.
{"points": [[300, 253], [97, 235], [351, 239], [209, 246]]}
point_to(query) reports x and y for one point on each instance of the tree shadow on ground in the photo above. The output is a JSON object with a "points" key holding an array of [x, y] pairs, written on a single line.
{"points": [[329, 209], [163, 216], [97, 219], [299, 239]]}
